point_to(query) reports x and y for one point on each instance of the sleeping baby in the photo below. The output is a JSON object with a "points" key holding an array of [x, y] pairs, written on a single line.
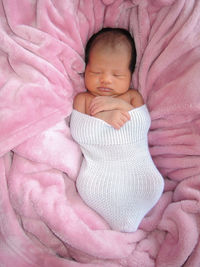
{"points": [[110, 121]]}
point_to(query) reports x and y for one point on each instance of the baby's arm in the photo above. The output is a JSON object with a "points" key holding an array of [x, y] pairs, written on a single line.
{"points": [[79, 102], [136, 98], [115, 110], [116, 118], [105, 103], [112, 110]]}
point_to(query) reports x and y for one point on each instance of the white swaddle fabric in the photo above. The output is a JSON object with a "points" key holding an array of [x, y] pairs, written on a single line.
{"points": [[118, 178]]}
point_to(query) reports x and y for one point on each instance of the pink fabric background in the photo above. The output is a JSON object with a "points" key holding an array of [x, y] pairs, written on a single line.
{"points": [[43, 222]]}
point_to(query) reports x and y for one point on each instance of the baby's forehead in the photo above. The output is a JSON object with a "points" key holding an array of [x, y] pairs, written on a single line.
{"points": [[111, 40]]}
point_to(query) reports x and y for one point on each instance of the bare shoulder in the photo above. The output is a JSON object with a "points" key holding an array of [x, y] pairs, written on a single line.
{"points": [[79, 102], [136, 98]]}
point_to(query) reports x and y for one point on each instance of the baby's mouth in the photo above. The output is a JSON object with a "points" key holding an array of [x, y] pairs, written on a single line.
{"points": [[104, 89]]}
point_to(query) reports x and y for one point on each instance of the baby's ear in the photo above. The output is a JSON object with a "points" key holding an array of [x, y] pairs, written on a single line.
{"points": [[82, 74]]}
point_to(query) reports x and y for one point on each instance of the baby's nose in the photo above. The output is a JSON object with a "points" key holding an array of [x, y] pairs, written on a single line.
{"points": [[105, 78]]}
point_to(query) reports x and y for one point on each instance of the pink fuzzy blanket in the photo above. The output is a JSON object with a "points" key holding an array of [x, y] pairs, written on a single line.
{"points": [[43, 222]]}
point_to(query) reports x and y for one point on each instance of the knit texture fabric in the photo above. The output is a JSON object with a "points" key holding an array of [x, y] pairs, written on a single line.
{"points": [[118, 178]]}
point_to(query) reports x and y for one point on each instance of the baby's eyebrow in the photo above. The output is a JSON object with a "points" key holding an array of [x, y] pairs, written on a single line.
{"points": [[122, 72]]}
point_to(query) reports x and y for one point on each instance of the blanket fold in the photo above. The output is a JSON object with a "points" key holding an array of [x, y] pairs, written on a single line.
{"points": [[43, 220]]}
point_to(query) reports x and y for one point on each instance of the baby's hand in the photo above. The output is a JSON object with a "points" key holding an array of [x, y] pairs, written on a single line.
{"points": [[103, 103], [116, 118]]}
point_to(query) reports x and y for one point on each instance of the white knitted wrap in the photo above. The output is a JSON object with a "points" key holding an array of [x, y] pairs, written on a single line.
{"points": [[118, 178]]}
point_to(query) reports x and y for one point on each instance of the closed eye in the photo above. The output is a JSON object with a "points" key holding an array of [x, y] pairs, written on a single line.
{"points": [[118, 75], [95, 72]]}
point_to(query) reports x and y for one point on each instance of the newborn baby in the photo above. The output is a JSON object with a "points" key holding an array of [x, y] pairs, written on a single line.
{"points": [[110, 121]]}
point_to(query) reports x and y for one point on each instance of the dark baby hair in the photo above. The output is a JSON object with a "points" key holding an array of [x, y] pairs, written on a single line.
{"points": [[117, 32]]}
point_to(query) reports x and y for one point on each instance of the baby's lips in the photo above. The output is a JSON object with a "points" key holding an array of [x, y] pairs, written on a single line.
{"points": [[104, 89]]}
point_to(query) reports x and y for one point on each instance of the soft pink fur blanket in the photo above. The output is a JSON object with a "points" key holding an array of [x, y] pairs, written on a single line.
{"points": [[43, 222]]}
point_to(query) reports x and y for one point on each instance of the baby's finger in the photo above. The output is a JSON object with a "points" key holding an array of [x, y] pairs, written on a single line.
{"points": [[120, 122], [95, 103], [126, 115], [124, 118], [117, 125], [95, 109], [92, 107]]}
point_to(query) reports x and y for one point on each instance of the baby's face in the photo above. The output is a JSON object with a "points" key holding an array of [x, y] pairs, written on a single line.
{"points": [[107, 72]]}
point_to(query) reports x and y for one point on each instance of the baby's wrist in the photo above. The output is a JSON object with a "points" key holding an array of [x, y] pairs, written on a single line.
{"points": [[126, 106]]}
